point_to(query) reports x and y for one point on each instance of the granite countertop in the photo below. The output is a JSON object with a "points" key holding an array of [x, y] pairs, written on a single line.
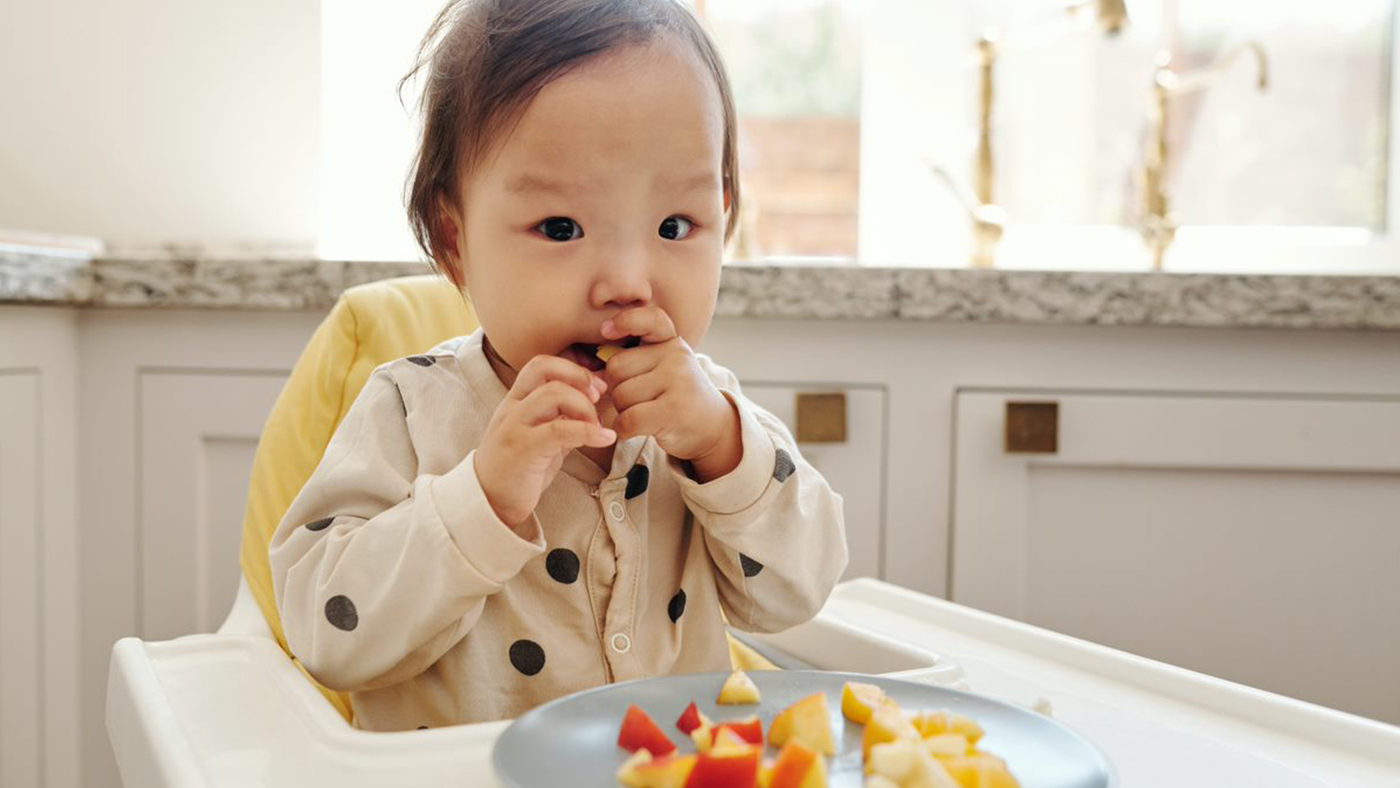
{"points": [[187, 278]]}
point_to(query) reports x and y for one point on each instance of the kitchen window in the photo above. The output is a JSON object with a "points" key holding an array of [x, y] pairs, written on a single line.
{"points": [[845, 107]]}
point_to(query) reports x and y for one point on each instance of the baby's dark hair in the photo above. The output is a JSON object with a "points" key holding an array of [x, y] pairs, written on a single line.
{"points": [[485, 60]]}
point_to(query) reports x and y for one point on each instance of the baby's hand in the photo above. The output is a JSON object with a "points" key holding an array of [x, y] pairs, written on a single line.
{"points": [[659, 389], [545, 415]]}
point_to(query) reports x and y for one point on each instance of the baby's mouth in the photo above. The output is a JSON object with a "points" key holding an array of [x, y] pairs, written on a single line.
{"points": [[585, 354]]}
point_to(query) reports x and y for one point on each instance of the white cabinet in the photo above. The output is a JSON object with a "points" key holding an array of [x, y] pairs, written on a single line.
{"points": [[199, 431], [1255, 538], [21, 647], [854, 467]]}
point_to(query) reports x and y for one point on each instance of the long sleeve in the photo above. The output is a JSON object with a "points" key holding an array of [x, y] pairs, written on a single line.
{"points": [[773, 526], [379, 569]]}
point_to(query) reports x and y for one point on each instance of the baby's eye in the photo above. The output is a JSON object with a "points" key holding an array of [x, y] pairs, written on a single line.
{"points": [[559, 228], [675, 228]]}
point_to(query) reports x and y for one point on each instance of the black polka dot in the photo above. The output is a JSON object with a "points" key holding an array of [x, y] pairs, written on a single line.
{"points": [[637, 481], [320, 524], [527, 657], [784, 466], [340, 611], [751, 567], [422, 361], [562, 565], [677, 606]]}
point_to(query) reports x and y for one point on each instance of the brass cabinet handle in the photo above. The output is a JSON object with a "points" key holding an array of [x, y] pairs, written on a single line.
{"points": [[821, 417], [1032, 427]]}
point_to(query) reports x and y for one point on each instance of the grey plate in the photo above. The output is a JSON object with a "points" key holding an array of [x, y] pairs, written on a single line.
{"points": [[572, 742]]}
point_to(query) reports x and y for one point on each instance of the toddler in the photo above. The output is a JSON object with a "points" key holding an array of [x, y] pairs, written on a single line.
{"points": [[571, 495]]}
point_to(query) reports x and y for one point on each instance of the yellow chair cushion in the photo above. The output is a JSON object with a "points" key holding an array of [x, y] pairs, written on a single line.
{"points": [[369, 325]]}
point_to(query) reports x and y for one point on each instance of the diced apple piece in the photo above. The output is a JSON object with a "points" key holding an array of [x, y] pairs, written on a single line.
{"points": [[887, 724], [946, 745], [689, 719], [859, 701], [750, 729], [794, 761], [905, 763], [727, 765], [668, 771], [638, 731], [727, 739], [808, 721], [932, 723], [738, 689], [980, 770], [780, 728], [816, 776], [606, 352], [627, 772]]}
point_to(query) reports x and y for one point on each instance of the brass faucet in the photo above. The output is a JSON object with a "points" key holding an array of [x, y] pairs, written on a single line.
{"points": [[988, 218], [1157, 225]]}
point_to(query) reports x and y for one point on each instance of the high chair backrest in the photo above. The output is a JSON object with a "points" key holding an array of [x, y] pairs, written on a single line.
{"points": [[369, 325]]}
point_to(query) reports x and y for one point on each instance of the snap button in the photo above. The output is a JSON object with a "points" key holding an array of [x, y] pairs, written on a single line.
{"points": [[618, 512], [621, 643]]}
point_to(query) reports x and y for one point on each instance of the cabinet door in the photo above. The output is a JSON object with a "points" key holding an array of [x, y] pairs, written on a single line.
{"points": [[21, 675], [1252, 538], [854, 468], [198, 435]]}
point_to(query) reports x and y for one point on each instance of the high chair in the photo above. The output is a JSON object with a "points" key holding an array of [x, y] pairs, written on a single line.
{"points": [[235, 708]]}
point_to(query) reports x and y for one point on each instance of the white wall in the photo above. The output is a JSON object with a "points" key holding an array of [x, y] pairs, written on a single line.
{"points": [[152, 121]]}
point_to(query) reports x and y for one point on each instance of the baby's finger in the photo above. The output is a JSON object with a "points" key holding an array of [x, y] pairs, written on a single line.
{"points": [[555, 399], [646, 418], [635, 361], [634, 391], [543, 369], [649, 322], [571, 434]]}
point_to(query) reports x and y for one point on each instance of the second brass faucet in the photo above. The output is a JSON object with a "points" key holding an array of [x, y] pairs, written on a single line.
{"points": [[1157, 223]]}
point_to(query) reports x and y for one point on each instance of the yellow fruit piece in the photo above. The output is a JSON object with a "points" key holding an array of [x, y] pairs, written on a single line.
{"points": [[859, 701], [946, 745], [888, 723], [816, 776], [980, 770], [738, 689], [627, 773], [605, 352], [933, 723], [810, 722], [765, 775], [906, 764], [780, 728]]}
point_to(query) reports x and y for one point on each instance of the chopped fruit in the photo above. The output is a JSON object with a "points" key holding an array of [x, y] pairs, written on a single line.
{"points": [[690, 719], [880, 781], [980, 770], [728, 739], [780, 728], [906, 764], [737, 689], [765, 775], [727, 765], [750, 729], [668, 771], [816, 776], [809, 722], [859, 701], [627, 773], [639, 731], [794, 761], [606, 352], [946, 745], [887, 724], [932, 723], [704, 738]]}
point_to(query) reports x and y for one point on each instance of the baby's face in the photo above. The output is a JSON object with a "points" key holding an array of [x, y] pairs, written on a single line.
{"points": [[607, 195]]}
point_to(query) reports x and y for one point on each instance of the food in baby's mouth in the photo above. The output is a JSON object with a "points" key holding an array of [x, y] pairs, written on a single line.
{"points": [[606, 352]]}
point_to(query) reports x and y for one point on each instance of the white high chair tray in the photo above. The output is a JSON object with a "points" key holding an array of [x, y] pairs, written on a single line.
{"points": [[225, 710]]}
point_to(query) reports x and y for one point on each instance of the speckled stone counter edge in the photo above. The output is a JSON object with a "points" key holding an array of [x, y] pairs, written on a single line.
{"points": [[252, 282]]}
